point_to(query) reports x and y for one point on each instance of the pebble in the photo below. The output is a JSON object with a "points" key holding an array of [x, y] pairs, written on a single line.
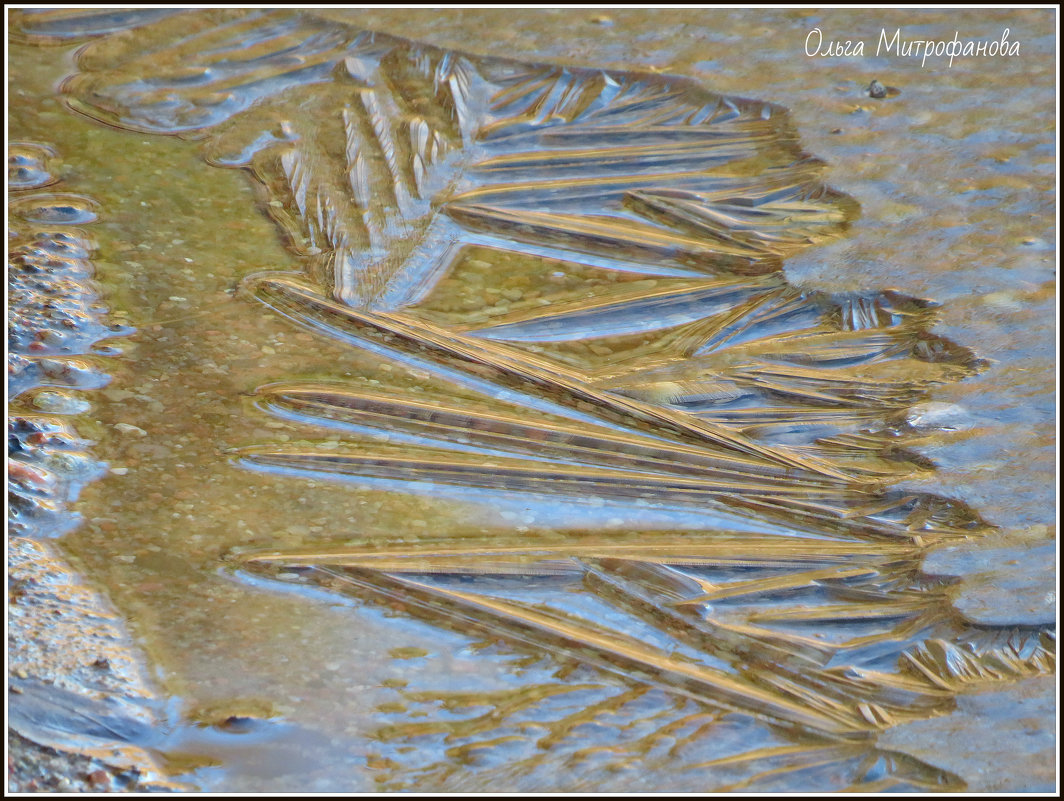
{"points": [[878, 91], [410, 652], [59, 403]]}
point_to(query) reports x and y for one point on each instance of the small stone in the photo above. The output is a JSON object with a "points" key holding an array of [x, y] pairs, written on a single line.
{"points": [[127, 428], [876, 90], [60, 403], [410, 652], [241, 724]]}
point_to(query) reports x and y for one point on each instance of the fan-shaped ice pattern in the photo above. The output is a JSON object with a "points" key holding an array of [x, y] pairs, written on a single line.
{"points": [[595, 254], [556, 731], [403, 153]]}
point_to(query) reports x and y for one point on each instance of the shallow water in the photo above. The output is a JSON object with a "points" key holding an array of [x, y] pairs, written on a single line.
{"points": [[341, 694]]}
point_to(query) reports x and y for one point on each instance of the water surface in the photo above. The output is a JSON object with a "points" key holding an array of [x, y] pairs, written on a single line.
{"points": [[348, 695]]}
